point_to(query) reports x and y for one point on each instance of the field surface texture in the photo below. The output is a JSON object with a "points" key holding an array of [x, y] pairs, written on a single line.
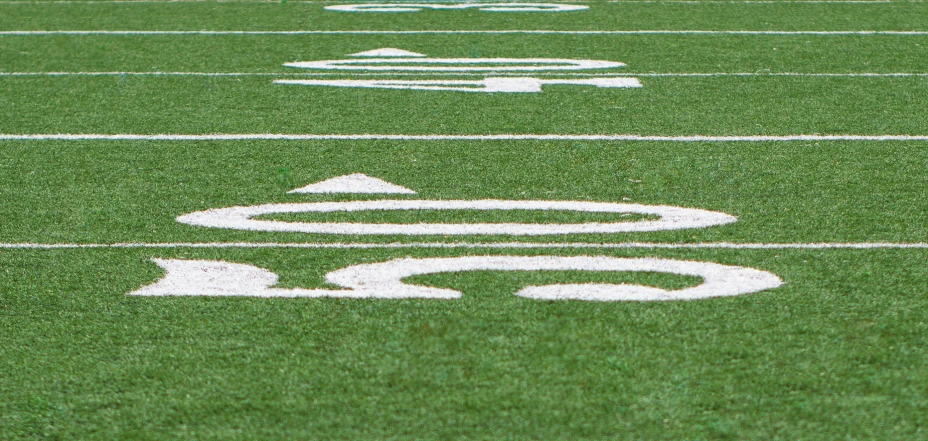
{"points": [[633, 220]]}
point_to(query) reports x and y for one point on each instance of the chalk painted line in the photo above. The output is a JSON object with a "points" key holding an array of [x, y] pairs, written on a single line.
{"points": [[459, 31], [733, 2], [385, 280], [487, 7], [486, 85], [438, 137], [240, 218], [476, 245], [477, 74]]}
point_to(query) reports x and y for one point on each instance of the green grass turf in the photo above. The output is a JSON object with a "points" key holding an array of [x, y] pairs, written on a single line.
{"points": [[838, 352], [665, 105], [118, 191], [902, 15]]}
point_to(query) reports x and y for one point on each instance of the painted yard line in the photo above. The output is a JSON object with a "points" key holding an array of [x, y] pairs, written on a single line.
{"points": [[466, 245], [94, 2], [490, 32], [765, 2], [734, 2], [341, 74], [502, 137]]}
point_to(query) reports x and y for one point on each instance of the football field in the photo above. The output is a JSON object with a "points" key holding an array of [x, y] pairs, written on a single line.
{"points": [[625, 220]]}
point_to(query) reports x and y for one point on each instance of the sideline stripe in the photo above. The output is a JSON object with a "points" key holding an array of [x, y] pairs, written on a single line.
{"points": [[340, 74], [511, 31], [504, 137], [619, 245]]}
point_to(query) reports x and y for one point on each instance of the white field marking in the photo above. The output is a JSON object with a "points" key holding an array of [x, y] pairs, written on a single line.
{"points": [[477, 245], [354, 183], [104, 2], [780, 74], [397, 137], [369, 74], [488, 7], [385, 280], [240, 218], [387, 52], [734, 2], [463, 31], [486, 85], [749, 2], [416, 64], [765, 2]]}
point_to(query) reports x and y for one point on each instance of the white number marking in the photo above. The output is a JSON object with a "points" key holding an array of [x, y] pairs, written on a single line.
{"points": [[387, 52], [487, 85], [354, 183], [385, 280], [671, 218], [456, 64]]}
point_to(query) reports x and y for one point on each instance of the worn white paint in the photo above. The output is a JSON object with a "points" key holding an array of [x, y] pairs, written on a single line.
{"points": [[354, 183], [387, 52], [385, 280], [486, 85], [437, 137], [488, 7], [417, 64], [240, 218], [480, 245]]}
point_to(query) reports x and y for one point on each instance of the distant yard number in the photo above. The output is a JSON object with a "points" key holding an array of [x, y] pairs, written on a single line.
{"points": [[388, 59]]}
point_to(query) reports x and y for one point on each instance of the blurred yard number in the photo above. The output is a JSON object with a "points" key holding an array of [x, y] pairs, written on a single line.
{"points": [[488, 7], [486, 85], [389, 59], [398, 60]]}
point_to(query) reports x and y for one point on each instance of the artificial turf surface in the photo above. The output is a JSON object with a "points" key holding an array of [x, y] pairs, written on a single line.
{"points": [[838, 352]]}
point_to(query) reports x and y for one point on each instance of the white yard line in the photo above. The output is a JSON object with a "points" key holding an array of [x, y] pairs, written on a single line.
{"points": [[733, 2], [466, 245], [488, 32], [104, 2], [502, 137], [765, 2], [341, 74]]}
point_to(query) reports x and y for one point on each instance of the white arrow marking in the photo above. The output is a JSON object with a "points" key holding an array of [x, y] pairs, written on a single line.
{"points": [[489, 7], [671, 218], [385, 280], [354, 183], [487, 85], [456, 64], [387, 52]]}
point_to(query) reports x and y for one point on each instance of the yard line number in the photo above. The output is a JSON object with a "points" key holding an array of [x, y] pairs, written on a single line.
{"points": [[384, 280], [395, 60]]}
